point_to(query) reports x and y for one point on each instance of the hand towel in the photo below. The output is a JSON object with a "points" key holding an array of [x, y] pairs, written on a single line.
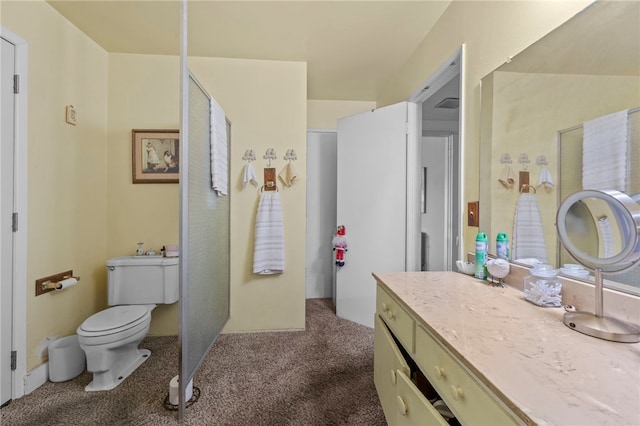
{"points": [[288, 175], [268, 251], [507, 178], [528, 234], [604, 152], [219, 148], [545, 178], [249, 175]]}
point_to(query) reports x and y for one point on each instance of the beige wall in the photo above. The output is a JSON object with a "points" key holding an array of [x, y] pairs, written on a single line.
{"points": [[325, 114], [67, 170], [267, 106], [144, 93], [491, 31]]}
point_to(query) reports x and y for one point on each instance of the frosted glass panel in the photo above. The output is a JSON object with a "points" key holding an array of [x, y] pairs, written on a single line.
{"points": [[205, 223]]}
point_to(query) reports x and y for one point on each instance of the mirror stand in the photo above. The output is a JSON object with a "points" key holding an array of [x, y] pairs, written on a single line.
{"points": [[598, 325]]}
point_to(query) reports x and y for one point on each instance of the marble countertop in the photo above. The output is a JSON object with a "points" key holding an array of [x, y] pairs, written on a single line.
{"points": [[543, 370]]}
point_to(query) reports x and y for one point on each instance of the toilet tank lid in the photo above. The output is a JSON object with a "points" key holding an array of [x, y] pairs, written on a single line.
{"points": [[142, 261]]}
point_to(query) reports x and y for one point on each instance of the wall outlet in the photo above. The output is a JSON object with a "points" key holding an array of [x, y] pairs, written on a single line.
{"points": [[70, 115]]}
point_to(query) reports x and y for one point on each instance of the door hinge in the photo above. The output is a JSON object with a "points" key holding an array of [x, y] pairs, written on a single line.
{"points": [[406, 128], [16, 84], [14, 222], [14, 360]]}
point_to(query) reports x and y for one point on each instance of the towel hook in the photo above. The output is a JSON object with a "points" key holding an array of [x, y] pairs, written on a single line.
{"points": [[526, 187], [291, 155], [541, 160], [524, 159], [249, 155], [270, 154], [505, 158]]}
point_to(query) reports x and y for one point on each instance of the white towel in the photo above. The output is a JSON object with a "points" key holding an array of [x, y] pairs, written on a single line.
{"points": [[268, 251], [606, 237], [528, 234], [219, 167], [604, 152], [507, 178], [249, 175], [545, 178], [288, 175]]}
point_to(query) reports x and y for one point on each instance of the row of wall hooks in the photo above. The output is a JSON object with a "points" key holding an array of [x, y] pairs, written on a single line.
{"points": [[523, 158], [270, 154]]}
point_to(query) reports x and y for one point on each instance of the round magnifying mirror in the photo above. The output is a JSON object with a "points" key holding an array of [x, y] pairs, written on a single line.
{"points": [[601, 229]]}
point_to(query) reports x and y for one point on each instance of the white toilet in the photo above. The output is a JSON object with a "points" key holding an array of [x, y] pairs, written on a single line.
{"points": [[110, 338]]}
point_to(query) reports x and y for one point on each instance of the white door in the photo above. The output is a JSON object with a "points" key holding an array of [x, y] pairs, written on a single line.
{"points": [[321, 213], [371, 204], [6, 212], [435, 219]]}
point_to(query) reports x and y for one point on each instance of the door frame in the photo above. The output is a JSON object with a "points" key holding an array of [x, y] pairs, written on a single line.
{"points": [[452, 67], [19, 320]]}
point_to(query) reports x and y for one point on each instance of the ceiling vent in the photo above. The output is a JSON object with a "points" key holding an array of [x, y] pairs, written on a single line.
{"points": [[449, 103]]}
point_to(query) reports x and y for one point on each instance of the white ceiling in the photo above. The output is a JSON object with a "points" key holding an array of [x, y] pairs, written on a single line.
{"points": [[350, 47]]}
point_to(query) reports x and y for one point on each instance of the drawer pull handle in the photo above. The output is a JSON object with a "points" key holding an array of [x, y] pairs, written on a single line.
{"points": [[385, 307], [391, 315], [457, 392], [440, 373], [401, 405], [394, 378]]}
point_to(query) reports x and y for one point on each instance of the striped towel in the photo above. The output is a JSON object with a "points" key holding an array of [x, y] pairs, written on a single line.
{"points": [[604, 152], [268, 251], [528, 235]]}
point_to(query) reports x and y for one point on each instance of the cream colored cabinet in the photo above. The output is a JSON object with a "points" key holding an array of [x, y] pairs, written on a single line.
{"points": [[464, 395], [402, 402]]}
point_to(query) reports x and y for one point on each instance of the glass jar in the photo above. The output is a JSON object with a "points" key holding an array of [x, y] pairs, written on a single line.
{"points": [[542, 286]]}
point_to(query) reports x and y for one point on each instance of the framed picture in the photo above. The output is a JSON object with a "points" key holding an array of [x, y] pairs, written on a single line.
{"points": [[155, 156]]}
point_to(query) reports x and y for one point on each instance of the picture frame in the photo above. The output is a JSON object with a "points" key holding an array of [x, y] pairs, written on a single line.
{"points": [[155, 156]]}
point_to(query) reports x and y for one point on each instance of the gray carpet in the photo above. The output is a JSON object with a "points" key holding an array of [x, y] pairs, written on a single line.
{"points": [[320, 376]]}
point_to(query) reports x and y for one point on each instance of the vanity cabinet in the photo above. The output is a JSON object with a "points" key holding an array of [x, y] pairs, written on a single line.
{"points": [[493, 358], [401, 340]]}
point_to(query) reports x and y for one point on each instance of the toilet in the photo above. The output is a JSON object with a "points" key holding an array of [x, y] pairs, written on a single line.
{"points": [[110, 338]]}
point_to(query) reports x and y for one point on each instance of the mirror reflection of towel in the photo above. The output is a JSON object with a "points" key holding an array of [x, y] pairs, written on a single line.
{"points": [[249, 175], [507, 178], [288, 175], [545, 178]]}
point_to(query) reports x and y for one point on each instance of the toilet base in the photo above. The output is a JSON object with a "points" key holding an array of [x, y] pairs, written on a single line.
{"points": [[104, 381]]}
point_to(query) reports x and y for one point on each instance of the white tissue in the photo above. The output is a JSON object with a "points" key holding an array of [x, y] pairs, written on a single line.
{"points": [[174, 390], [64, 284]]}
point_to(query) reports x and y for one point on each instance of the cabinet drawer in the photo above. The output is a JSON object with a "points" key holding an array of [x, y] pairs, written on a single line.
{"points": [[398, 320], [387, 363], [466, 398], [413, 408]]}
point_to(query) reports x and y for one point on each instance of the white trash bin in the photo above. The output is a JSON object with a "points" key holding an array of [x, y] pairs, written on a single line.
{"points": [[66, 359]]}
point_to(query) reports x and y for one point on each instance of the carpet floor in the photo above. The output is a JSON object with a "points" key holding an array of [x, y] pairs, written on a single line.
{"points": [[320, 376]]}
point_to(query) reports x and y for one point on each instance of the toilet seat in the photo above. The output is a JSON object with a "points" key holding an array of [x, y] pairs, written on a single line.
{"points": [[114, 320]]}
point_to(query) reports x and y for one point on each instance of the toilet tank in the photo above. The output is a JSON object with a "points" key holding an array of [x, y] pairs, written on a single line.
{"points": [[137, 280]]}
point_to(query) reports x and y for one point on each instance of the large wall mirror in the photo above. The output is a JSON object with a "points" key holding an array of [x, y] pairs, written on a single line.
{"points": [[536, 104]]}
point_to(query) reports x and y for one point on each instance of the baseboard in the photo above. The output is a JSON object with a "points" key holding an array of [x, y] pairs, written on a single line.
{"points": [[36, 378]]}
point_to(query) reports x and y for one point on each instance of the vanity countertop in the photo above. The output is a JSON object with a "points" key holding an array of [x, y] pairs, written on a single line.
{"points": [[540, 368]]}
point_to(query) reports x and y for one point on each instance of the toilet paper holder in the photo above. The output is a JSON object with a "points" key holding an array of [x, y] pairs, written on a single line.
{"points": [[53, 282]]}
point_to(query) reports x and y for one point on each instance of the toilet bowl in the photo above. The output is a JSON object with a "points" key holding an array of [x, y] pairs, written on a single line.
{"points": [[110, 340]]}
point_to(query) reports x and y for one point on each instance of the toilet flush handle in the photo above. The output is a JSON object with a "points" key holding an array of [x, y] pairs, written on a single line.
{"points": [[111, 268]]}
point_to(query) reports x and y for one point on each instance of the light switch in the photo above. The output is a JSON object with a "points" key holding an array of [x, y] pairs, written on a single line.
{"points": [[70, 115]]}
